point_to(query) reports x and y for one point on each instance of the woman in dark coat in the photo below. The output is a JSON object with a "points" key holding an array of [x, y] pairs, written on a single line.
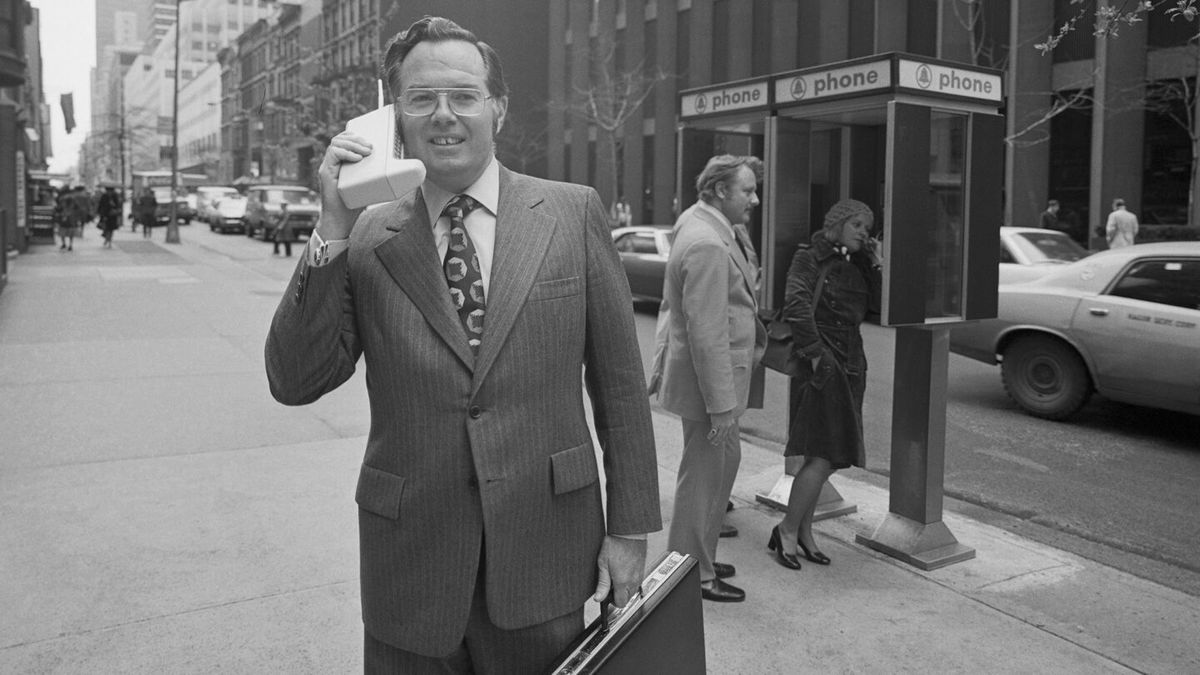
{"points": [[828, 387], [144, 208], [110, 214]]}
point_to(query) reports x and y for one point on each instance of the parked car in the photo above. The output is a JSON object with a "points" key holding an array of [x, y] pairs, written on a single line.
{"points": [[227, 213], [644, 250], [1124, 323], [262, 208], [207, 196], [187, 211], [1030, 252], [162, 208]]}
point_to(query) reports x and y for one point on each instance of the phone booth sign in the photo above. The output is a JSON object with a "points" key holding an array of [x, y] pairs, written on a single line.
{"points": [[920, 142]]}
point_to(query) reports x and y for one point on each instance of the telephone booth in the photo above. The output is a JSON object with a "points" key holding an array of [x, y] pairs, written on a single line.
{"points": [[919, 141]]}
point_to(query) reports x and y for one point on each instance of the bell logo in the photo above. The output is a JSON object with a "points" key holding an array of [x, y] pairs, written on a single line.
{"points": [[701, 103], [924, 77], [799, 88]]}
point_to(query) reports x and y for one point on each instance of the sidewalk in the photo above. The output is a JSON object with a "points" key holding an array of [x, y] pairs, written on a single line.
{"points": [[159, 512]]}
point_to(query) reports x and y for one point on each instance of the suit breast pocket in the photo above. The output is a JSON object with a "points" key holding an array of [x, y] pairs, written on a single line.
{"points": [[556, 288]]}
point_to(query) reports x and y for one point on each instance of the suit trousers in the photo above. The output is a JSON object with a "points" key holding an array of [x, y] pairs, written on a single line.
{"points": [[485, 649], [706, 475]]}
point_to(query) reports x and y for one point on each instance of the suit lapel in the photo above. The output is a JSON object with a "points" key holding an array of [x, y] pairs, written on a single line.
{"points": [[749, 274], [522, 238], [410, 258]]}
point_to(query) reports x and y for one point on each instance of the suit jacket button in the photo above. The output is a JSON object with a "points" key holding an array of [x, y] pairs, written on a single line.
{"points": [[475, 412]]}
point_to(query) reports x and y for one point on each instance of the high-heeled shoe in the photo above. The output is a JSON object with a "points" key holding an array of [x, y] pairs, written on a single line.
{"points": [[813, 556], [775, 544]]}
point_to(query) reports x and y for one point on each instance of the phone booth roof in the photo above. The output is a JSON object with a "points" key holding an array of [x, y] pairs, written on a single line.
{"points": [[838, 91]]}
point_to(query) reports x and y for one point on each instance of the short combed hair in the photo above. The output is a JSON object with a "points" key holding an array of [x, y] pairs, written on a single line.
{"points": [[1052, 202], [1118, 202], [722, 169], [439, 29]]}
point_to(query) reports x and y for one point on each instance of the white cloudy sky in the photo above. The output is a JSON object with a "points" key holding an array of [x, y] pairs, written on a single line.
{"points": [[68, 54]]}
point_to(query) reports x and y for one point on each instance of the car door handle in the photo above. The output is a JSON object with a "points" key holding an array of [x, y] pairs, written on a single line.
{"points": [[1098, 311]]}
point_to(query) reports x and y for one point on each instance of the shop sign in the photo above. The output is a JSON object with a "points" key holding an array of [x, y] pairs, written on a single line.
{"points": [[954, 81], [816, 85], [724, 99]]}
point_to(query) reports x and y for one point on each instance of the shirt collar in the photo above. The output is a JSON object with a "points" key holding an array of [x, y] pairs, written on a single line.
{"points": [[715, 213], [485, 190]]}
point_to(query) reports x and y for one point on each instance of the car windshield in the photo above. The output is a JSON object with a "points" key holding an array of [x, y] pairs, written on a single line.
{"points": [[1049, 247], [289, 196]]}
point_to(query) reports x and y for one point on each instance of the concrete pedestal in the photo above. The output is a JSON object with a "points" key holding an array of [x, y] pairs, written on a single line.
{"points": [[830, 504], [926, 547]]}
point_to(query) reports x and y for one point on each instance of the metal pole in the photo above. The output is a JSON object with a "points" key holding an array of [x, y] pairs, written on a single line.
{"points": [[121, 143], [173, 224]]}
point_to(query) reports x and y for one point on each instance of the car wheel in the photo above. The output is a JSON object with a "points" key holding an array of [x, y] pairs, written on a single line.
{"points": [[1045, 376]]}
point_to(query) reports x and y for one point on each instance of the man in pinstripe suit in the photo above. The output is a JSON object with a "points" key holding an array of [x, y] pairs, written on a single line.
{"points": [[481, 527]]}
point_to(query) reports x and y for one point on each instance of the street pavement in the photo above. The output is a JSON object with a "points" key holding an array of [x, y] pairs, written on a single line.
{"points": [[160, 513]]}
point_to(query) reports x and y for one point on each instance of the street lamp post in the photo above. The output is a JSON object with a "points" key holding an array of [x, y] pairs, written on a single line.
{"points": [[173, 224]]}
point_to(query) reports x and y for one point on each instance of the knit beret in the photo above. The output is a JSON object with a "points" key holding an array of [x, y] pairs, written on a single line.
{"points": [[845, 210]]}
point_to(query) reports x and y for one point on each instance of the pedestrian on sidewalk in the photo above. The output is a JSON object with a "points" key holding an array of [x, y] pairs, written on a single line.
{"points": [[70, 215], [1122, 226], [145, 208], [110, 214], [713, 341], [832, 286], [283, 234], [482, 525]]}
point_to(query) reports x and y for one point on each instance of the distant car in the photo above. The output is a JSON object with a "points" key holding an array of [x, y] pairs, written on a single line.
{"points": [[1030, 252], [644, 250], [227, 213], [1124, 323], [187, 211], [162, 208], [207, 196], [262, 209]]}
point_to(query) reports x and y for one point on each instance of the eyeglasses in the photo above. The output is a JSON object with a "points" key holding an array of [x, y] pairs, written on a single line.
{"points": [[419, 102]]}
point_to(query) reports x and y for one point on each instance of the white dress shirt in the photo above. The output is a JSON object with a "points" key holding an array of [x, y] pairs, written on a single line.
{"points": [[480, 223]]}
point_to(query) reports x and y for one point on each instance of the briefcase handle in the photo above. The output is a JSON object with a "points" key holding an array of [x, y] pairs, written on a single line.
{"points": [[609, 613]]}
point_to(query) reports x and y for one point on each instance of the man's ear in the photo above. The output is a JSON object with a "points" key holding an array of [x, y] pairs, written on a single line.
{"points": [[501, 104]]}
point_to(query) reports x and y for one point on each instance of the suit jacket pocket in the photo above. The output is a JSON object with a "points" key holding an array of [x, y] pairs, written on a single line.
{"points": [[379, 492], [574, 468], [556, 288]]}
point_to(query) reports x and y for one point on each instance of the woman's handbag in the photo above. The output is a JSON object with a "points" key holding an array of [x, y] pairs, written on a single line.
{"points": [[778, 355]]}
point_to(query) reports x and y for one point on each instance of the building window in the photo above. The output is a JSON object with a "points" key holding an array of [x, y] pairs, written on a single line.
{"points": [[1167, 161], [652, 65], [720, 46], [1078, 44], [1070, 166], [683, 39]]}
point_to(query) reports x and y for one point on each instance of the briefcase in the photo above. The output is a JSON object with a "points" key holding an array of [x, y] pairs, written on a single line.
{"points": [[660, 630]]}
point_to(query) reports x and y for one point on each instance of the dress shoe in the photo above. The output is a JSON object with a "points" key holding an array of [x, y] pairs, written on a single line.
{"points": [[814, 555], [719, 591], [728, 530], [788, 560], [724, 570]]}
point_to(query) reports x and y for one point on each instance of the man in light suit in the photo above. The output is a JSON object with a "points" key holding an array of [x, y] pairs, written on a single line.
{"points": [[481, 528], [1122, 226], [714, 340]]}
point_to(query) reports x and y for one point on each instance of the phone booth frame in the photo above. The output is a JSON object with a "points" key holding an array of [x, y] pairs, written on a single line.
{"points": [[940, 196]]}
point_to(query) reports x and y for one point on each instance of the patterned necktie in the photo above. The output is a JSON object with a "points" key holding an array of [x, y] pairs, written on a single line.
{"points": [[461, 266]]}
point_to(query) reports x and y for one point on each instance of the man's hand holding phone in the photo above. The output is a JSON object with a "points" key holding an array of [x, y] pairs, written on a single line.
{"points": [[337, 219]]}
